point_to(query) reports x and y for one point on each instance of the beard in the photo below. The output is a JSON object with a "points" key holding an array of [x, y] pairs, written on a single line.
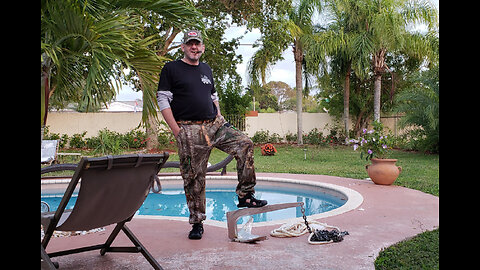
{"points": [[193, 56]]}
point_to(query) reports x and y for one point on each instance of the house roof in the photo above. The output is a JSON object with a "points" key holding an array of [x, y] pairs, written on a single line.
{"points": [[124, 106]]}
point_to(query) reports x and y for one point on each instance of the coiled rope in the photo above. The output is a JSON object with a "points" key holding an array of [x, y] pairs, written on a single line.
{"points": [[299, 228]]}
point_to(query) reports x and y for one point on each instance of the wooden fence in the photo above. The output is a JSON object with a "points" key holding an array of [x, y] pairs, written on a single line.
{"points": [[237, 120]]}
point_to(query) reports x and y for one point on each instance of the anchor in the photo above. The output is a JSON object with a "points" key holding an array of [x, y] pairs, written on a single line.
{"points": [[246, 236]]}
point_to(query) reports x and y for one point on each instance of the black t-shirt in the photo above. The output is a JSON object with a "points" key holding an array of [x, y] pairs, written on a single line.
{"points": [[192, 87]]}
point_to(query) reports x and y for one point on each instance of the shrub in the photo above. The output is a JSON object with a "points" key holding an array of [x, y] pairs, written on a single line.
{"points": [[62, 140], [314, 137], [291, 138], [165, 137], [263, 136], [260, 136], [77, 140], [420, 103], [135, 138], [109, 142]]}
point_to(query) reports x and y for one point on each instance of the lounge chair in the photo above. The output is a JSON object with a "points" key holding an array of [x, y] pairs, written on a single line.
{"points": [[112, 189], [49, 151]]}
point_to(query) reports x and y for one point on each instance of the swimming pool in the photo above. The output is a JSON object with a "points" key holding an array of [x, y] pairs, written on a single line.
{"points": [[320, 199]]}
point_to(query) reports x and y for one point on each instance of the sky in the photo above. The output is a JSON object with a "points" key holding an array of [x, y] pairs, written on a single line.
{"points": [[282, 71]]}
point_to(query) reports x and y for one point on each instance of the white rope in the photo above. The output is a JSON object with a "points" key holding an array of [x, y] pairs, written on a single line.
{"points": [[290, 230], [299, 228]]}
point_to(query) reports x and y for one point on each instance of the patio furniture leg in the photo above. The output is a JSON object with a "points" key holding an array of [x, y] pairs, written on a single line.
{"points": [[138, 245], [112, 236], [143, 250], [47, 264]]}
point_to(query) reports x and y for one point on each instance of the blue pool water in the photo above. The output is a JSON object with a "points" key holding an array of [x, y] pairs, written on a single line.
{"points": [[219, 201]]}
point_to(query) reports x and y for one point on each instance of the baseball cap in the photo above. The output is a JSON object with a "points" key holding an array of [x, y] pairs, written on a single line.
{"points": [[192, 34]]}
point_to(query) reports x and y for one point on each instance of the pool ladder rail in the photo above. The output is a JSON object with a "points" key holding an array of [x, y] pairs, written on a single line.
{"points": [[233, 216]]}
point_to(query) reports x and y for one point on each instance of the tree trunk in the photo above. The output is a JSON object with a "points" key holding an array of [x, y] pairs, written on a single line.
{"points": [[376, 97], [152, 127], [298, 54], [45, 88], [46, 67], [152, 133], [378, 68], [346, 101]]}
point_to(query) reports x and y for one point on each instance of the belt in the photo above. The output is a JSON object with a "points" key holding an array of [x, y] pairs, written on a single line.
{"points": [[195, 122]]}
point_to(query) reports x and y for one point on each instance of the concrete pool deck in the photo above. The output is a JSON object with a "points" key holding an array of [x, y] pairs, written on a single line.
{"points": [[387, 215]]}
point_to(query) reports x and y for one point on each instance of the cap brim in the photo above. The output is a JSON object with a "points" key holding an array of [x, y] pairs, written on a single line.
{"points": [[193, 38]]}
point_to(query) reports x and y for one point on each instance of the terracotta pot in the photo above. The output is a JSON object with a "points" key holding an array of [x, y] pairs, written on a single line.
{"points": [[383, 171]]}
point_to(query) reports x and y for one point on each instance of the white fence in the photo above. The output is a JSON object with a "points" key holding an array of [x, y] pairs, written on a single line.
{"points": [[281, 123]]}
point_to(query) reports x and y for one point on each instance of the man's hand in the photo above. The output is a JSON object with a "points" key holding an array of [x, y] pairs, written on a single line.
{"points": [[175, 130], [168, 116]]}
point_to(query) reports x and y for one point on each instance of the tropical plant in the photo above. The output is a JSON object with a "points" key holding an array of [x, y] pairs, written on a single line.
{"points": [[342, 42], [360, 33], [220, 53], [372, 143], [296, 28], [383, 26], [85, 44], [420, 106]]}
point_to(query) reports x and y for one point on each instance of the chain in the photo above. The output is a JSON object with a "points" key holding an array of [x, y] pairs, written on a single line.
{"points": [[323, 235], [305, 218]]}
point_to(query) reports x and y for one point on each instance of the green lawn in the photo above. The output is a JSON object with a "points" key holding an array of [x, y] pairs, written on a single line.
{"points": [[419, 171], [420, 252]]}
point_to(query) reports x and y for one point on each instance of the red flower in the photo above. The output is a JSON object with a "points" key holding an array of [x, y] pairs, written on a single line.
{"points": [[268, 150]]}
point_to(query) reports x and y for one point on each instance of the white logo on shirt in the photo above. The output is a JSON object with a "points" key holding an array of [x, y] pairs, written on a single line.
{"points": [[205, 79]]}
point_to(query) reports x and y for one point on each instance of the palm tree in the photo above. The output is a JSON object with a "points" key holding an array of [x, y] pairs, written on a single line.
{"points": [[84, 44], [342, 42], [299, 29], [383, 25], [362, 31]]}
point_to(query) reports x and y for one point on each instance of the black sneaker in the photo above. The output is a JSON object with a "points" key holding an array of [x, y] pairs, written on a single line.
{"points": [[196, 232], [242, 202]]}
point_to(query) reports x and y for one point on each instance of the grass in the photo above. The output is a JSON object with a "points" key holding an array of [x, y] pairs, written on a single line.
{"points": [[419, 171], [420, 252]]}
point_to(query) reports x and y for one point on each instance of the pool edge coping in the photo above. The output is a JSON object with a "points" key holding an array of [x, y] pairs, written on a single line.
{"points": [[355, 199]]}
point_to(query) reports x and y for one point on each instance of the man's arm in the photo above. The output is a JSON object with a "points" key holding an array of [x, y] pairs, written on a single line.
{"points": [[168, 116], [215, 101], [163, 99], [218, 107]]}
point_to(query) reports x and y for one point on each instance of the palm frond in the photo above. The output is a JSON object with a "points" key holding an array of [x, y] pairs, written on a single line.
{"points": [[88, 41]]}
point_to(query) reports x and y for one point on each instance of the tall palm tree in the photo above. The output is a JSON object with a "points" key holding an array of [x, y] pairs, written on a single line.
{"points": [[384, 25], [362, 31], [342, 42], [299, 29], [84, 44]]}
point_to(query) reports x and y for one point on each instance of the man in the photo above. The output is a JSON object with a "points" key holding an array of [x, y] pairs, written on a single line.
{"points": [[189, 104]]}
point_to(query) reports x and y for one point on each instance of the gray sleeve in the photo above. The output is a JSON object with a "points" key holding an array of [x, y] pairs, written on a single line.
{"points": [[163, 99], [215, 96]]}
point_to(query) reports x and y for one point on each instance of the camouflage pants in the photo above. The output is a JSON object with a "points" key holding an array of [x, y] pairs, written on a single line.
{"points": [[195, 142]]}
